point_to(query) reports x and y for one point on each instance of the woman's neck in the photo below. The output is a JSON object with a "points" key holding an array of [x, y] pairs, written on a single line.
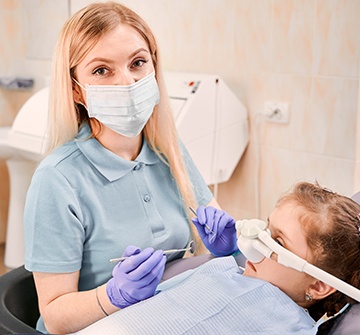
{"points": [[125, 147]]}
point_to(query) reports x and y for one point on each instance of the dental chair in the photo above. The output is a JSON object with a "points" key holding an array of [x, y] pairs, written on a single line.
{"points": [[18, 303], [346, 324]]}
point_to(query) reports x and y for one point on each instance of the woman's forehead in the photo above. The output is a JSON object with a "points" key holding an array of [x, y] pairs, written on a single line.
{"points": [[119, 44], [121, 37]]}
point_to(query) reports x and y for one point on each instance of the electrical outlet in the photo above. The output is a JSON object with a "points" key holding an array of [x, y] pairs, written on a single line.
{"points": [[277, 112]]}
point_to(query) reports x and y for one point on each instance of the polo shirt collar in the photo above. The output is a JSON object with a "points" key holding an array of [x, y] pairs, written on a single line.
{"points": [[110, 165]]}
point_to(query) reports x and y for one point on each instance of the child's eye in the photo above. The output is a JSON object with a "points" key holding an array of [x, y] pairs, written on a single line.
{"points": [[278, 242]]}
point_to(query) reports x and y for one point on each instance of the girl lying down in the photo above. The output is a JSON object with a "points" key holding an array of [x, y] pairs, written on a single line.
{"points": [[218, 297]]}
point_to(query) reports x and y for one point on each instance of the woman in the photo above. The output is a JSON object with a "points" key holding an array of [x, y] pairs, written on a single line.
{"points": [[116, 174], [267, 298]]}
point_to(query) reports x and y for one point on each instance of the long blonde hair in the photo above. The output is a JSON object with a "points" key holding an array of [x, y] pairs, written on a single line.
{"points": [[77, 37]]}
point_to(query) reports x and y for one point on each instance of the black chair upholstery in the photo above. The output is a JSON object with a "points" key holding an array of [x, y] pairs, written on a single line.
{"points": [[18, 303]]}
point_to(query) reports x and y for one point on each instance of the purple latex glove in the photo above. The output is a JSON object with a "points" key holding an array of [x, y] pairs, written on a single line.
{"points": [[137, 277], [222, 241]]}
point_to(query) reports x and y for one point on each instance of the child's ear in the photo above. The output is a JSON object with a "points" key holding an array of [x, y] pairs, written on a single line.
{"points": [[319, 290]]}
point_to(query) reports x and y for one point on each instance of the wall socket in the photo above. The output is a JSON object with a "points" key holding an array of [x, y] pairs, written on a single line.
{"points": [[277, 112]]}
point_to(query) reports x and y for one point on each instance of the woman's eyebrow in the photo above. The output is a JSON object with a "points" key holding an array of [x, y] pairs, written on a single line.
{"points": [[99, 59], [138, 51]]}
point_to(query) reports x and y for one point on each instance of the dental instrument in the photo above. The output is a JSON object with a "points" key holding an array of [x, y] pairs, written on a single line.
{"points": [[207, 226], [191, 247], [256, 243]]}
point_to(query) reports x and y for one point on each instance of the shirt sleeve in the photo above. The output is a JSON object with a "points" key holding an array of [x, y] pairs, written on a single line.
{"points": [[202, 192], [54, 235]]}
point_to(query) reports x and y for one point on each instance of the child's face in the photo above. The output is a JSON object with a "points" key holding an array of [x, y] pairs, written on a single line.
{"points": [[287, 231]]}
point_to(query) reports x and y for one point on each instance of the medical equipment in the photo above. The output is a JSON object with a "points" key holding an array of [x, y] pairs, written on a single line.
{"points": [[211, 120], [191, 247], [193, 211], [255, 242]]}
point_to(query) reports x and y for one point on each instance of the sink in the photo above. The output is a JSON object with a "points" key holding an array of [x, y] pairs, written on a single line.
{"points": [[22, 147]]}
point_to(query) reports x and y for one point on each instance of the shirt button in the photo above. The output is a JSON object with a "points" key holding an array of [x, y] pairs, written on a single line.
{"points": [[147, 198], [139, 166]]}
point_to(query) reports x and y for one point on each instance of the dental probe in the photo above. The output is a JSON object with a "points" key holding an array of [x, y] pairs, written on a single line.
{"points": [[191, 248], [204, 223]]}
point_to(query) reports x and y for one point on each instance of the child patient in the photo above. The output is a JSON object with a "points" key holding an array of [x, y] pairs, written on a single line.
{"points": [[314, 223]]}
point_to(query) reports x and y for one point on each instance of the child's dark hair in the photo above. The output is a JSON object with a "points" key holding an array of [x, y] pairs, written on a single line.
{"points": [[332, 227]]}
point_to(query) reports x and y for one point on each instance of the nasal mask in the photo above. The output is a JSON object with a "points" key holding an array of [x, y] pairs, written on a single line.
{"points": [[124, 109], [255, 243]]}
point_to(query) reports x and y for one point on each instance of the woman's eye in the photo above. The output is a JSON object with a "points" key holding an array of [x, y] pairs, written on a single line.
{"points": [[100, 71], [139, 63]]}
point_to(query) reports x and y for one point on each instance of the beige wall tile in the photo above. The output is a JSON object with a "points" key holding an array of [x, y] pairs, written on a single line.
{"points": [[38, 16], [356, 187], [333, 116], [337, 38], [281, 168], [11, 43], [292, 24]]}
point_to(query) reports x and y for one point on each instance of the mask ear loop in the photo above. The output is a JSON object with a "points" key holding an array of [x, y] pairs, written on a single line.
{"points": [[79, 102], [78, 83]]}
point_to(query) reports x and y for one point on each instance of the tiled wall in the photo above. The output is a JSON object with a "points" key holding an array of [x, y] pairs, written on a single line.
{"points": [[28, 31], [303, 52]]}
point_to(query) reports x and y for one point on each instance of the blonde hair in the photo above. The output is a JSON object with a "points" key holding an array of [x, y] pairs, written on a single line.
{"points": [[77, 37]]}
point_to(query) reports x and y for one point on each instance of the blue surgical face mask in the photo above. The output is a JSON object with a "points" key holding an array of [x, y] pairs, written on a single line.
{"points": [[124, 109]]}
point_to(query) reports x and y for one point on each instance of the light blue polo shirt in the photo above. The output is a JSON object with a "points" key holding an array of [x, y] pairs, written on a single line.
{"points": [[85, 205]]}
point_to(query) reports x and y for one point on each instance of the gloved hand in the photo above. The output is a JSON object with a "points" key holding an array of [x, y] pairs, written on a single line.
{"points": [[137, 277], [223, 240]]}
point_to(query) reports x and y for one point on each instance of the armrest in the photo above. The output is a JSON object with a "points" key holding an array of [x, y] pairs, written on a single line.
{"points": [[177, 266]]}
